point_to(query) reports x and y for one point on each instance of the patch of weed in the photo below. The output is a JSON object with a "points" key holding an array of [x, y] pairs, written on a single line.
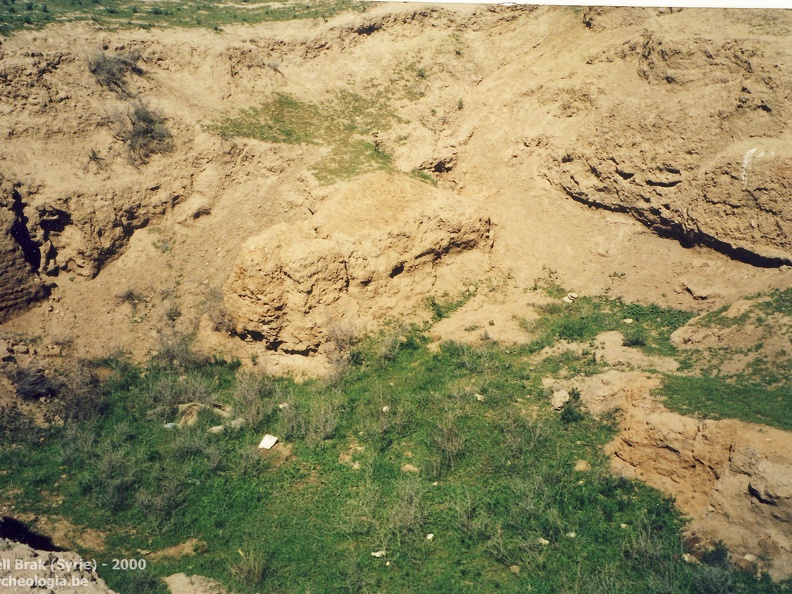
{"points": [[715, 397], [110, 70], [211, 14], [446, 305], [344, 123], [492, 482]]}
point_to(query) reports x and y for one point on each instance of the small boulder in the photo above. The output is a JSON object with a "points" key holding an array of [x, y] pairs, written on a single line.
{"points": [[582, 466], [559, 400]]}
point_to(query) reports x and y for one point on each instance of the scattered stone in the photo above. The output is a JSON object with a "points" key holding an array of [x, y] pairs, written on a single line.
{"points": [[744, 565], [543, 541], [410, 468], [385, 408], [582, 466], [627, 321], [283, 405], [188, 413], [267, 442], [53, 572], [559, 400], [430, 537], [480, 397], [623, 526], [378, 554], [571, 534], [181, 583]]}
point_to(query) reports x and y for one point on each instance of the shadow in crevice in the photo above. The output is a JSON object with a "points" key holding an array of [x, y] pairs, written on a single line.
{"points": [[17, 531]]}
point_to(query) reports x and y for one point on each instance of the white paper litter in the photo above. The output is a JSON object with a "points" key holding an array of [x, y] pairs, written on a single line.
{"points": [[268, 441]]}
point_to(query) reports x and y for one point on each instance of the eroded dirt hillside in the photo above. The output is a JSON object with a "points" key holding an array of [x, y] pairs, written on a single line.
{"points": [[303, 182], [679, 118]]}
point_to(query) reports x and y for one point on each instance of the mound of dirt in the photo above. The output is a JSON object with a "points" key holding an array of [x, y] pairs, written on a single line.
{"points": [[508, 109], [699, 148], [374, 248], [733, 479], [23, 569]]}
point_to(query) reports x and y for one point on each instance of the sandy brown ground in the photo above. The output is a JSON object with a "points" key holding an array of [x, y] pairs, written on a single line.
{"points": [[571, 136]]}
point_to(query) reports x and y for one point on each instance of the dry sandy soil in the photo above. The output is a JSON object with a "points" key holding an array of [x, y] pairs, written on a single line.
{"points": [[642, 153]]}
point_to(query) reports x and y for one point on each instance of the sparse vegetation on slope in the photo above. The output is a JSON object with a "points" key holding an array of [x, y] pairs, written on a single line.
{"points": [[460, 444], [18, 15], [144, 132], [744, 369], [344, 123]]}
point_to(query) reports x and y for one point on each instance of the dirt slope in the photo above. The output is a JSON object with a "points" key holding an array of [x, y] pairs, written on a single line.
{"points": [[641, 153], [511, 109]]}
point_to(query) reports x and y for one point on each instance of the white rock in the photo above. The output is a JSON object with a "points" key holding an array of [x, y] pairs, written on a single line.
{"points": [[571, 534], [480, 397], [627, 321], [268, 441], [750, 558], [378, 554], [430, 537], [283, 405], [543, 541], [385, 408], [568, 299], [560, 398]]}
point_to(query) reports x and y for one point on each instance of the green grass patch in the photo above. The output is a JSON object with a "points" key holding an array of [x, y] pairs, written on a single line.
{"points": [[587, 317], [344, 123], [445, 305], [424, 176], [18, 15], [717, 398], [493, 479]]}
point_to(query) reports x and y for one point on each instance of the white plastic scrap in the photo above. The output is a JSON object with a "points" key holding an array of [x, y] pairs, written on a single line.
{"points": [[268, 441]]}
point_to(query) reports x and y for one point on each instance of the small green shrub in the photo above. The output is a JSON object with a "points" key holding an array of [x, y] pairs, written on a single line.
{"points": [[711, 580], [718, 556], [255, 398], [251, 570], [571, 414], [635, 338]]}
